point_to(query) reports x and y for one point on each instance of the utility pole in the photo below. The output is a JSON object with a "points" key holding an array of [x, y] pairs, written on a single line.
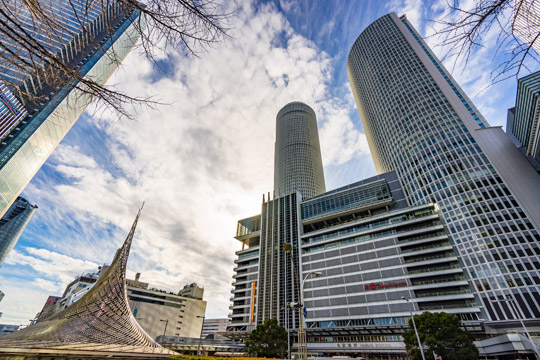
{"points": [[166, 323], [200, 336]]}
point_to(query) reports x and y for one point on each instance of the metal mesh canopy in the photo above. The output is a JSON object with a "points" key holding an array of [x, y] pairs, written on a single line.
{"points": [[100, 321]]}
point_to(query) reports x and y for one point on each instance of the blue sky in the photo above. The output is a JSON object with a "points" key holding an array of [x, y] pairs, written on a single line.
{"points": [[204, 161]]}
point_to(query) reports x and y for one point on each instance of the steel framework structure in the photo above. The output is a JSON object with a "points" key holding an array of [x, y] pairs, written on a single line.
{"points": [[100, 321]]}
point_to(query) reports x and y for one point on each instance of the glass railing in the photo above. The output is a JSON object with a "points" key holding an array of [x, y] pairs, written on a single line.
{"points": [[437, 281], [449, 306], [349, 241], [439, 268], [421, 237], [425, 258], [434, 246], [444, 293], [247, 255], [369, 226]]}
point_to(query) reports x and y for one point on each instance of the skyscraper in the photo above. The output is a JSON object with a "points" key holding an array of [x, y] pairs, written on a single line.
{"points": [[523, 122], [526, 24], [13, 224], [421, 124], [369, 249], [92, 39], [298, 163]]}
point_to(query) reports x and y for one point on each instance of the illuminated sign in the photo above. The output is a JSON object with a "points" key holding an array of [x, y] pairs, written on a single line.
{"points": [[377, 286]]}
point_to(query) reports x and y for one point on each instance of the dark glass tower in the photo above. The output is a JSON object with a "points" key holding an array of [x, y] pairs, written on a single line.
{"points": [[13, 224], [420, 123], [92, 39]]}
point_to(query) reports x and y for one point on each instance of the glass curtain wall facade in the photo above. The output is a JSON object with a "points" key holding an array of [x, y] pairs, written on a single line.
{"points": [[13, 224], [298, 163], [524, 128], [94, 45], [278, 277], [526, 24], [420, 124], [370, 248]]}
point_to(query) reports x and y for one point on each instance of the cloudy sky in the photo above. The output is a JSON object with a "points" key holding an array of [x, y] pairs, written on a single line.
{"points": [[204, 161]]}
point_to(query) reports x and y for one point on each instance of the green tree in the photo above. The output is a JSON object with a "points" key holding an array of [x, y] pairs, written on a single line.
{"points": [[268, 340], [440, 333]]}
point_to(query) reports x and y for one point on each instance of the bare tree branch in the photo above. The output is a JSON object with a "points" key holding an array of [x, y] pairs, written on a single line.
{"points": [[35, 57], [464, 31]]}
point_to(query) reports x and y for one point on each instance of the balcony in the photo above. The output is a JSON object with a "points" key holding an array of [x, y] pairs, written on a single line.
{"points": [[449, 306], [249, 255], [437, 281], [434, 257], [444, 293], [433, 269], [435, 236], [434, 246]]}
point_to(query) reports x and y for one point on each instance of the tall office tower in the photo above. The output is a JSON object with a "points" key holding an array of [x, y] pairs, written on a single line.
{"points": [[526, 25], [13, 224], [298, 163], [91, 41], [421, 124], [523, 121]]}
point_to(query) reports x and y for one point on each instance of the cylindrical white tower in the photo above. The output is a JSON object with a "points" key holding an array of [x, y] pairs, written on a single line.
{"points": [[297, 159]]}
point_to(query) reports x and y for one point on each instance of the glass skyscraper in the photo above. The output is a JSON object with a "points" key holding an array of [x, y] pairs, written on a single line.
{"points": [[421, 124], [298, 163], [13, 224], [369, 248], [92, 39], [523, 122]]}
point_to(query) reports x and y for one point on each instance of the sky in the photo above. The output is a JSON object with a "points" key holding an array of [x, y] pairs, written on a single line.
{"points": [[204, 160]]}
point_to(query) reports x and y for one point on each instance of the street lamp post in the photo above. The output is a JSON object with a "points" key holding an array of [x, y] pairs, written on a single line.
{"points": [[302, 341], [415, 330], [166, 323], [515, 310], [200, 336], [302, 353], [286, 308], [316, 274]]}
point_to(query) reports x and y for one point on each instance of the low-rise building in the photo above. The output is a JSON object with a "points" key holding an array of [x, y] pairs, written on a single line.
{"points": [[160, 312], [157, 311], [213, 326]]}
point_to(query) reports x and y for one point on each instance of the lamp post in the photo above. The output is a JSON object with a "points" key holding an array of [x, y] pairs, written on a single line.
{"points": [[317, 274], [516, 312], [166, 323], [415, 330], [200, 336], [302, 340], [286, 308], [302, 352]]}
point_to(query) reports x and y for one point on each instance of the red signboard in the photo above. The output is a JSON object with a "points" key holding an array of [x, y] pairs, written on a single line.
{"points": [[377, 286]]}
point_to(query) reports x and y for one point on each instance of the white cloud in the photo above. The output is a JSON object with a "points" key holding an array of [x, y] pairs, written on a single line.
{"points": [[57, 267], [200, 164], [414, 9]]}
